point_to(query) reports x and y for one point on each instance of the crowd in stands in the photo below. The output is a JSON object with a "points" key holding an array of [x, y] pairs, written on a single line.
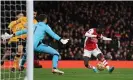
{"points": [[72, 19]]}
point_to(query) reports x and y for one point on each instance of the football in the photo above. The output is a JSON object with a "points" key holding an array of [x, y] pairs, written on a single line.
{"points": [[100, 66]]}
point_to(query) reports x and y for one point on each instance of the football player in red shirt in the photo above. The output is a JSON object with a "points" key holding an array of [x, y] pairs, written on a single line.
{"points": [[91, 48]]}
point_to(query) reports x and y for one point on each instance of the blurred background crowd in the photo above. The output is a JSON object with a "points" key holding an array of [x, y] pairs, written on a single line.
{"points": [[72, 19]]}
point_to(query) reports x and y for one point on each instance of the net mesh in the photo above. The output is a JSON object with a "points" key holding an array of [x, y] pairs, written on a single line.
{"points": [[9, 10]]}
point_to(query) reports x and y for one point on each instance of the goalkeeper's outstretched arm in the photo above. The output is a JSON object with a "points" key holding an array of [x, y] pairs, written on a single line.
{"points": [[52, 34], [55, 36], [21, 32]]}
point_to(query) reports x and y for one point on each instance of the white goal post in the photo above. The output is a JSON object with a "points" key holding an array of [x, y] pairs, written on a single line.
{"points": [[30, 52]]}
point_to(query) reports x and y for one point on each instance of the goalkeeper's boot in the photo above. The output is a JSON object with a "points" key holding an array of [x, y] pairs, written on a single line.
{"points": [[95, 70], [57, 71], [111, 69]]}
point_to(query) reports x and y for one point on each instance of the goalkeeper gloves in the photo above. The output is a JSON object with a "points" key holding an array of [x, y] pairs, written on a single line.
{"points": [[64, 41]]}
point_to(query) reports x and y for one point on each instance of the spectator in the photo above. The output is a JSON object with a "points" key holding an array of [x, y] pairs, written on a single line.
{"points": [[72, 19]]}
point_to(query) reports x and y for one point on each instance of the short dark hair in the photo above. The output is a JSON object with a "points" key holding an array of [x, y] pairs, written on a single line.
{"points": [[42, 17]]}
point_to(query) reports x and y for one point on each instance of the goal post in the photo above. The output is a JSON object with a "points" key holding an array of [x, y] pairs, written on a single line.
{"points": [[9, 12], [30, 52]]}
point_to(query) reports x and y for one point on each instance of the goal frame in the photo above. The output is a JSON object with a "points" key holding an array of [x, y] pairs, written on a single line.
{"points": [[30, 52]]}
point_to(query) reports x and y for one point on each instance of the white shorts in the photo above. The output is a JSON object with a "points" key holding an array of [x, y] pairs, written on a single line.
{"points": [[94, 52]]}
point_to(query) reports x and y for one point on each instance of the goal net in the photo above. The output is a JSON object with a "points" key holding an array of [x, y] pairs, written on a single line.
{"points": [[12, 49]]}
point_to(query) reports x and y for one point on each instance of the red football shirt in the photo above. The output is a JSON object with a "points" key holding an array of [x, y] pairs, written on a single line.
{"points": [[91, 43]]}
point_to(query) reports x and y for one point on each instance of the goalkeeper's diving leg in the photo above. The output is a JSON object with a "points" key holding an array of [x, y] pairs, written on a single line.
{"points": [[47, 49]]}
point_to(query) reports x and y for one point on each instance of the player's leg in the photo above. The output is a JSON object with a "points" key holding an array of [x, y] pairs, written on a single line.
{"points": [[47, 49], [4, 56], [97, 53], [105, 63], [22, 62], [18, 55], [86, 58], [5, 48], [23, 55], [13, 46]]}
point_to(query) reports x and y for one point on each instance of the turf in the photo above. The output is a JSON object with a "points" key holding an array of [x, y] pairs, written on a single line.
{"points": [[6, 74], [83, 74], [71, 74]]}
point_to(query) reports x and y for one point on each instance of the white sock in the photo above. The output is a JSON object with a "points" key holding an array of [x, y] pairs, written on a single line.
{"points": [[93, 67], [107, 67]]}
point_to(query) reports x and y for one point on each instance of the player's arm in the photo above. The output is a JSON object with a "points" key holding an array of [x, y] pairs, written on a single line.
{"points": [[90, 34], [52, 33], [10, 25], [14, 23], [55, 36], [105, 38], [21, 32]]}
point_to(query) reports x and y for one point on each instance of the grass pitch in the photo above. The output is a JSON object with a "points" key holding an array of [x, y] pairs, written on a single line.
{"points": [[83, 74], [70, 74]]}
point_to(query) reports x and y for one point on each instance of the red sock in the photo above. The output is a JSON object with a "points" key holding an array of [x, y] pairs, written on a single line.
{"points": [[105, 63]]}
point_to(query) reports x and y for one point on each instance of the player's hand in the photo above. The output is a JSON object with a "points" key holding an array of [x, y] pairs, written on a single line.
{"points": [[6, 36], [64, 41]]}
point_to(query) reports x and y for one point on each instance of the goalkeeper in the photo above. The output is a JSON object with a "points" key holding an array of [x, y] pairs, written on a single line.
{"points": [[40, 30]]}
